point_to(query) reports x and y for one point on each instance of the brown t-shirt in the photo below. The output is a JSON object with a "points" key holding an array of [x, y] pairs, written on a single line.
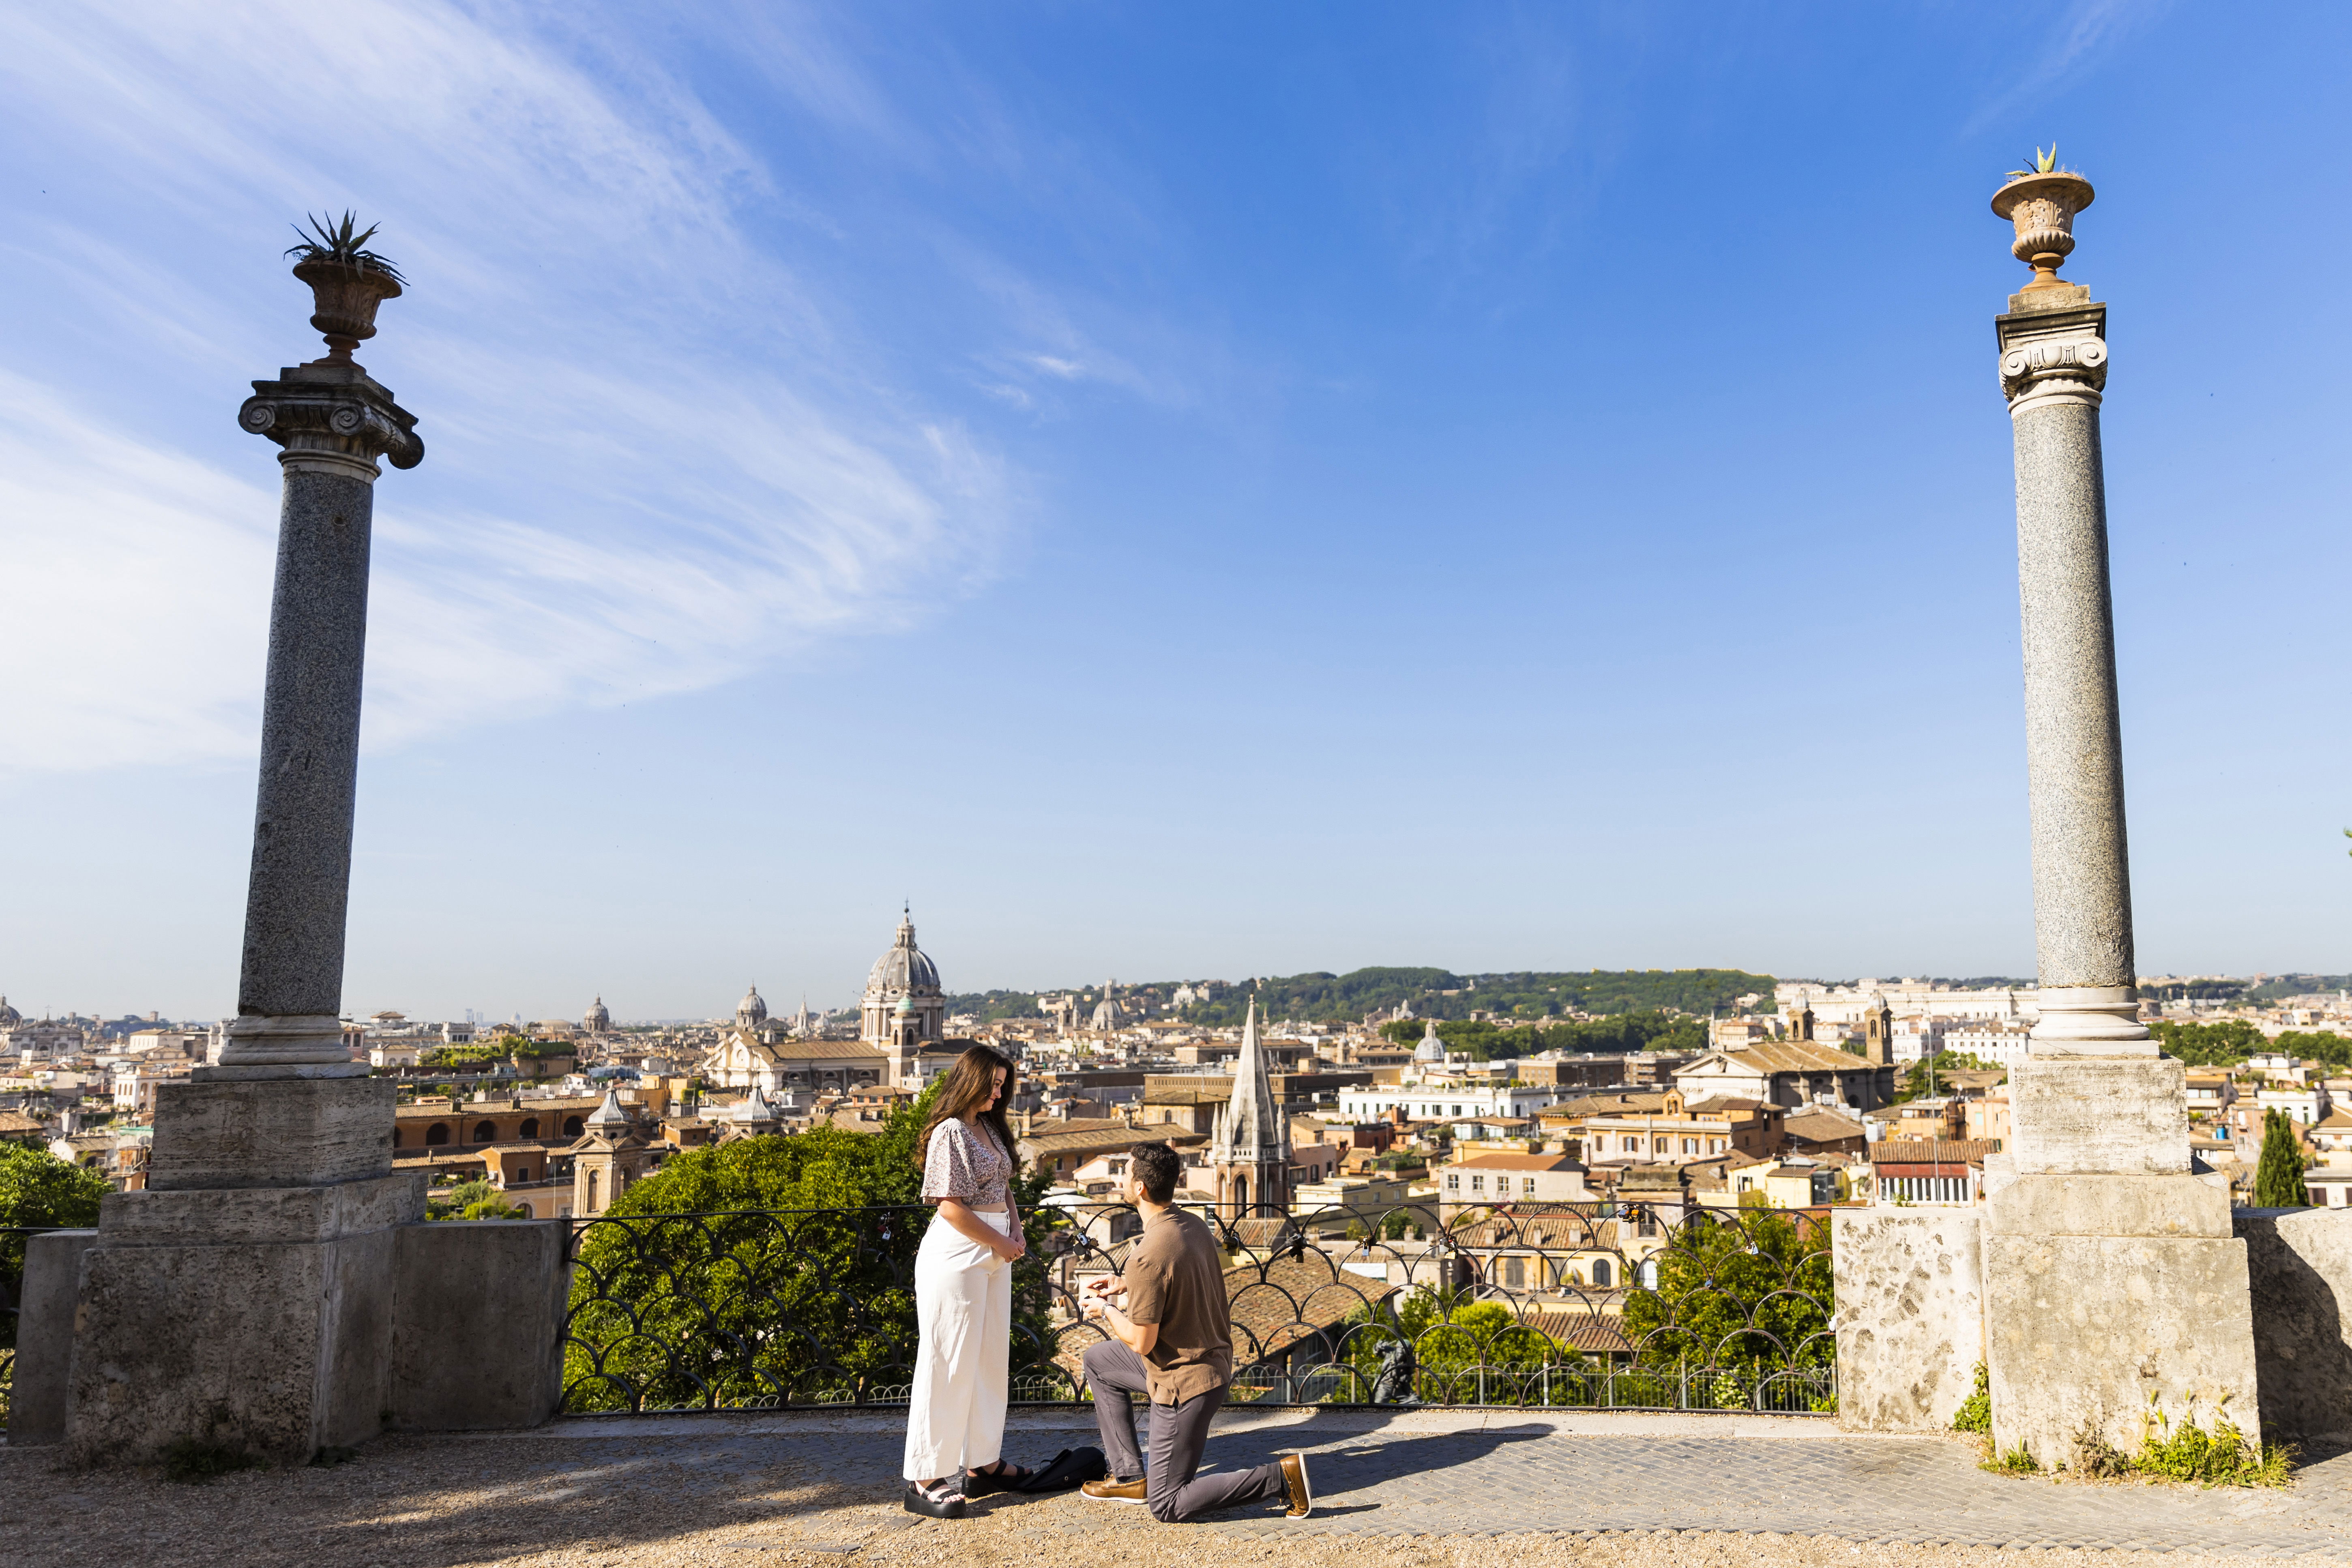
{"points": [[1176, 1279]]}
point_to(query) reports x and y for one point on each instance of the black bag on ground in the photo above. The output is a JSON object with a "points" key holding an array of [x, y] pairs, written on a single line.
{"points": [[1070, 1468]]}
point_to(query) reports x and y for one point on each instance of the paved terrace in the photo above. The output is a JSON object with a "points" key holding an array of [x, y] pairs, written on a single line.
{"points": [[1429, 1488]]}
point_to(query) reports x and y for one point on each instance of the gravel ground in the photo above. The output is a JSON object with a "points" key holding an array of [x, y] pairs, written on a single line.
{"points": [[445, 1502]]}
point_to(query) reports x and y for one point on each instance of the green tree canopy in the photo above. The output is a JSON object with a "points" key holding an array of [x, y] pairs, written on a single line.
{"points": [[2223, 1042], [38, 1190], [770, 1270], [2278, 1176], [1453, 1337], [1916, 1081], [1750, 1290]]}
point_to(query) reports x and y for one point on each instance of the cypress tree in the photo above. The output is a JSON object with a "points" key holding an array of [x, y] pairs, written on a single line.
{"points": [[2278, 1178]]}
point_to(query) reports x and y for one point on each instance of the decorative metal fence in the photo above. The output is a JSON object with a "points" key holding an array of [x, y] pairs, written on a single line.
{"points": [[1594, 1306]]}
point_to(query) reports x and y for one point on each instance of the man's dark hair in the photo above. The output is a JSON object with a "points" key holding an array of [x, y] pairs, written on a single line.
{"points": [[1157, 1167]]}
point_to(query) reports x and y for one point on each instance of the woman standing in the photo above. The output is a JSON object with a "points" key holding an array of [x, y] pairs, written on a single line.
{"points": [[963, 1294]]}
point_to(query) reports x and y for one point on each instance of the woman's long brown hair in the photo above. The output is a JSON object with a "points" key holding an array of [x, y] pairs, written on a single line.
{"points": [[969, 1087]]}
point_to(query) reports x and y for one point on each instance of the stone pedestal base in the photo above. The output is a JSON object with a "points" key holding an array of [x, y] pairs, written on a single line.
{"points": [[2099, 1116], [256, 1319], [2107, 1299], [284, 1131], [1910, 1316]]}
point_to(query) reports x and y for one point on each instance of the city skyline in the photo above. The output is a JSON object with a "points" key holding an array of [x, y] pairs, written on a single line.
{"points": [[1194, 499]]}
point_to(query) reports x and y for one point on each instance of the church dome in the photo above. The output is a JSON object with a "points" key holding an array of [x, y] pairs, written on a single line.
{"points": [[597, 1020], [903, 968], [9, 1016], [751, 1011], [1432, 1049]]}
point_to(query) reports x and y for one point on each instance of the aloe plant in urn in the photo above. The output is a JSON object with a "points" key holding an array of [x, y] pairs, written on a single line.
{"points": [[347, 282], [2042, 202]]}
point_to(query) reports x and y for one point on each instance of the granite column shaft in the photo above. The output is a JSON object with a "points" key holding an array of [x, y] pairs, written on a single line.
{"points": [[334, 422], [2053, 367]]}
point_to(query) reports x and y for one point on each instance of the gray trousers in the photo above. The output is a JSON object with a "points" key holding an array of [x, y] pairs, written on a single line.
{"points": [[1179, 1433]]}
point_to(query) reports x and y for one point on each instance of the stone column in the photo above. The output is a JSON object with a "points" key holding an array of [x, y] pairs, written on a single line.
{"points": [[244, 1300], [2113, 1283], [334, 421]]}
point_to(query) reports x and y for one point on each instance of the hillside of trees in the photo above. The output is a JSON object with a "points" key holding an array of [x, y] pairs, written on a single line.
{"points": [[1321, 996], [1324, 997], [2228, 1041], [1483, 1041]]}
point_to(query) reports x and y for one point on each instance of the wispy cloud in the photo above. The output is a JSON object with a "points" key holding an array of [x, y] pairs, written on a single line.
{"points": [[658, 454], [2080, 32]]}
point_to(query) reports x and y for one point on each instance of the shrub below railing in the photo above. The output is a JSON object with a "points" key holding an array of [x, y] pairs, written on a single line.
{"points": [[763, 1309]]}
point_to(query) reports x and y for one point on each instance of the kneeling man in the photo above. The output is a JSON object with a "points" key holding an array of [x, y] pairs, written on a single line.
{"points": [[1174, 1344]]}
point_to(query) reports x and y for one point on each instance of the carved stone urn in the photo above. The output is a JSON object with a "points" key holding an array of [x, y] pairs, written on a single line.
{"points": [[346, 298], [2042, 207]]}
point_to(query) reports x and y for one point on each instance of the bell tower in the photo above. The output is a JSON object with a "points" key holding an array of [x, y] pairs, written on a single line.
{"points": [[1878, 1031], [1249, 1152]]}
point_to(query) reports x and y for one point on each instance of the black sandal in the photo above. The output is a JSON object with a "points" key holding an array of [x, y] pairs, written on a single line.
{"points": [[1007, 1478], [942, 1500]]}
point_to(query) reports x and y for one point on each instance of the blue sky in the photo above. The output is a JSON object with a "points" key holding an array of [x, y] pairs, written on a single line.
{"points": [[1169, 491]]}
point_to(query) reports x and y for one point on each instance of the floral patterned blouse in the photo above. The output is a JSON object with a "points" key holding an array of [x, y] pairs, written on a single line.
{"points": [[967, 1164]]}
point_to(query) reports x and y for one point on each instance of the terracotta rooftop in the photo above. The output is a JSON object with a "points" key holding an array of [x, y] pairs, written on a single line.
{"points": [[1092, 1135], [1783, 1056], [1629, 1102], [1922, 1151], [1515, 1162]]}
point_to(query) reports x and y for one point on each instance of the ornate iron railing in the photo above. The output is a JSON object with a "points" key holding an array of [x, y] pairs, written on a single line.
{"points": [[1559, 1305]]}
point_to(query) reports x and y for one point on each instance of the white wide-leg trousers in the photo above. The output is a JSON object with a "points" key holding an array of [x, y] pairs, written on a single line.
{"points": [[963, 1302]]}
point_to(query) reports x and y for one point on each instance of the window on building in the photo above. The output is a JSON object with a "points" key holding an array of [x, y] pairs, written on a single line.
{"points": [[485, 1131], [1477, 1182], [1528, 1183], [1633, 1145], [1452, 1183], [572, 1127], [530, 1128], [1658, 1145], [1601, 1271], [436, 1134], [1515, 1272]]}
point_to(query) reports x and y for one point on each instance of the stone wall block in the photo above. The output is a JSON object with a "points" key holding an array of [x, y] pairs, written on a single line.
{"points": [[250, 1215], [2084, 1331], [1910, 1316], [220, 1345], [2299, 1263], [2109, 1206], [271, 1132], [479, 1315], [45, 1320]]}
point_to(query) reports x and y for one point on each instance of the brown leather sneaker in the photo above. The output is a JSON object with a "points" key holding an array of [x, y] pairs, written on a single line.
{"points": [[1110, 1490], [1294, 1481]]}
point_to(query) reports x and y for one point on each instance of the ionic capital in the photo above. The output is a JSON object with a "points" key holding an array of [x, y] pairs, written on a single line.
{"points": [[332, 420], [2053, 356]]}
